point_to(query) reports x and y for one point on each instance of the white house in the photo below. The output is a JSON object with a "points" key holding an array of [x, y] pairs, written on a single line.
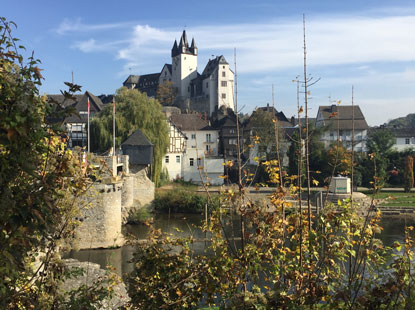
{"points": [[405, 138], [198, 160], [338, 120], [174, 158]]}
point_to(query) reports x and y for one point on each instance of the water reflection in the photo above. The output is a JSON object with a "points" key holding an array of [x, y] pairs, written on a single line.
{"points": [[182, 225]]}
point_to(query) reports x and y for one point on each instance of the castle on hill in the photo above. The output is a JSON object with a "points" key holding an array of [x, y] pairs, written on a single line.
{"points": [[204, 93]]}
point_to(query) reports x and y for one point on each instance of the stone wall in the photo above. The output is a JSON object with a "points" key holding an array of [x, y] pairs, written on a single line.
{"points": [[101, 220], [138, 191], [107, 209]]}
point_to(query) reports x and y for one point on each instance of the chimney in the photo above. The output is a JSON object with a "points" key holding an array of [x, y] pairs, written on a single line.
{"points": [[333, 108], [292, 120]]}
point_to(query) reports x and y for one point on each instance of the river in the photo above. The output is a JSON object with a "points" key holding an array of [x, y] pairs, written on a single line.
{"points": [[393, 230]]}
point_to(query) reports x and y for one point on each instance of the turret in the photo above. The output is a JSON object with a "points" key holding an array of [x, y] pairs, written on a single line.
{"points": [[175, 50], [183, 45], [193, 48]]}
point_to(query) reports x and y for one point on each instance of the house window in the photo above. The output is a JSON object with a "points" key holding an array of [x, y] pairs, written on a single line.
{"points": [[199, 162], [223, 96], [167, 159], [208, 137], [207, 148], [178, 159], [232, 141], [223, 83], [223, 73], [231, 130], [193, 136], [207, 85], [191, 161], [407, 141]]}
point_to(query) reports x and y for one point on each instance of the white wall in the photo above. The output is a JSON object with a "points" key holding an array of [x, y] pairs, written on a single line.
{"points": [[228, 89], [184, 67], [400, 143], [173, 163]]}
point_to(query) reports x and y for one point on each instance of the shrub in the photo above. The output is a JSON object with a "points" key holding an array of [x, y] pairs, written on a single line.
{"points": [[181, 201]]}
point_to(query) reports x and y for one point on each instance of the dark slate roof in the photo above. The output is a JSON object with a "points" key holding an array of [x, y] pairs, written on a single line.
{"points": [[294, 121], [183, 47], [146, 83], [137, 138], [80, 103], [223, 118], [189, 122], [213, 64], [65, 103], [397, 132], [105, 99], [145, 80], [343, 118]]}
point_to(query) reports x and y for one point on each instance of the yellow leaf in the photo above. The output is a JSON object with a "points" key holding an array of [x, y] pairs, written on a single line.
{"points": [[315, 182]]}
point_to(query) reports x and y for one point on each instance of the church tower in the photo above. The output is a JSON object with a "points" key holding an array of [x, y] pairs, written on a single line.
{"points": [[184, 65]]}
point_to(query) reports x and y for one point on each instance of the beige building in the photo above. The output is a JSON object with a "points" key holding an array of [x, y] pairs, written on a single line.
{"points": [[338, 120]]}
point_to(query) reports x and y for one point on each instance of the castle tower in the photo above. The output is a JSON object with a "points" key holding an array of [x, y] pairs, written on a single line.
{"points": [[184, 65]]}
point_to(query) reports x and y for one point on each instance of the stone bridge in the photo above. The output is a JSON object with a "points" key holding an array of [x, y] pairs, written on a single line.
{"points": [[109, 202]]}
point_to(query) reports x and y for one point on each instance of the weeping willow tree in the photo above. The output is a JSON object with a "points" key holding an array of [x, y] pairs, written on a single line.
{"points": [[134, 110]]}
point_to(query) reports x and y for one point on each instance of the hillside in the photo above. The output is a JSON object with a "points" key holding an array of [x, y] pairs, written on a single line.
{"points": [[403, 122]]}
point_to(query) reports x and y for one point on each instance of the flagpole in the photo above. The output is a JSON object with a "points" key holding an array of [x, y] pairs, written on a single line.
{"points": [[89, 109], [113, 124]]}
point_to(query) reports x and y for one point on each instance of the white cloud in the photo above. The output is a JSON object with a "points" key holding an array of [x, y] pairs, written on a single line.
{"points": [[76, 25], [273, 46]]}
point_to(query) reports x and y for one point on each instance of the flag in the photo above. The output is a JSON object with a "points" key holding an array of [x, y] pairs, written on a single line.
{"points": [[89, 111]]}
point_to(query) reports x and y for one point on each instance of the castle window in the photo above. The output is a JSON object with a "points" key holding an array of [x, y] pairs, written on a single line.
{"points": [[185, 58], [167, 159], [178, 159], [191, 161], [223, 73], [223, 83], [193, 136], [223, 67], [207, 85], [223, 96]]}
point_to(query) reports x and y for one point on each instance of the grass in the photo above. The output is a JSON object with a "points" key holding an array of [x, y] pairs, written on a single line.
{"points": [[394, 198]]}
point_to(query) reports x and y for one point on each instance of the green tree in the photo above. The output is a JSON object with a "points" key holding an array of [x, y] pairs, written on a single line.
{"points": [[134, 110], [379, 145], [262, 125], [166, 93], [41, 182]]}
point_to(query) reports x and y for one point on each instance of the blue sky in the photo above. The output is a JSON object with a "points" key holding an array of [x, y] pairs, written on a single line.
{"points": [[368, 44]]}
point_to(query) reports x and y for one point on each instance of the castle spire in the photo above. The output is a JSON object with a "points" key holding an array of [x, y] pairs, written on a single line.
{"points": [[184, 45], [193, 48], [175, 50]]}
